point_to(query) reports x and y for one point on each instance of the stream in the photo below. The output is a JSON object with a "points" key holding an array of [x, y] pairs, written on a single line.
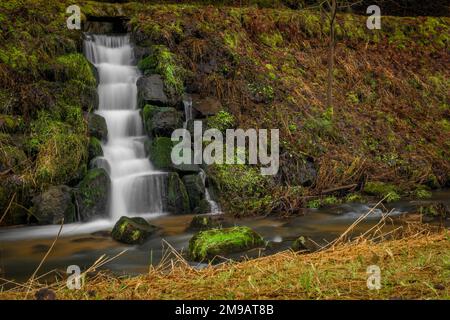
{"points": [[22, 248]]}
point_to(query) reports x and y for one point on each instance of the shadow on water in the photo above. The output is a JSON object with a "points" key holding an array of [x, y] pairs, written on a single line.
{"points": [[22, 248]]}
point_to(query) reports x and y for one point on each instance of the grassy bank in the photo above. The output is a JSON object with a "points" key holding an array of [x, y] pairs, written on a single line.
{"points": [[411, 268]]}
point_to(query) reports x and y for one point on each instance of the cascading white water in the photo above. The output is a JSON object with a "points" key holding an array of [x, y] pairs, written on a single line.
{"points": [[136, 187]]}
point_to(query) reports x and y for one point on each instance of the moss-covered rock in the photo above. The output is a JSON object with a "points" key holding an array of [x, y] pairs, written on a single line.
{"points": [[54, 205], [159, 151], [208, 244], [177, 196], [92, 194], [161, 121], [95, 148], [97, 126], [76, 67], [382, 190], [204, 222], [132, 230], [195, 189], [304, 244]]}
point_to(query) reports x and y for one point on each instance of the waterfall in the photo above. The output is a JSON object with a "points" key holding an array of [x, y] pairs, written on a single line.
{"points": [[136, 187], [212, 204]]}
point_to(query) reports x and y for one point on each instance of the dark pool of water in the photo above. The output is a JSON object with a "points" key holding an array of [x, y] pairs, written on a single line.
{"points": [[22, 248]]}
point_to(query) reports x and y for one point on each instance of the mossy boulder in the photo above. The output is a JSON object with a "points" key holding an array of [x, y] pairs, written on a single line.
{"points": [[206, 245], [159, 151], [97, 126], [195, 189], [382, 190], [161, 121], [95, 148], [177, 196], [54, 205], [76, 67], [132, 230], [204, 222], [303, 244], [92, 194]]}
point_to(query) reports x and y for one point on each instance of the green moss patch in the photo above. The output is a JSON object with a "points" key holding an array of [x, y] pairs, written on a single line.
{"points": [[206, 245], [159, 150], [382, 190]]}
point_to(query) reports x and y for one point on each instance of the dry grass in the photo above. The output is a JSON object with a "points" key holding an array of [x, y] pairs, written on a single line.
{"points": [[415, 267]]}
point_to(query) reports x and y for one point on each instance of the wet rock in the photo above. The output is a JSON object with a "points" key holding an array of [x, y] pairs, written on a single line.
{"points": [[206, 245], [132, 230], [304, 244], [97, 126], [184, 169], [207, 106], [54, 205], [45, 294], [195, 189], [161, 121], [94, 148], [203, 207], [92, 194], [141, 52], [203, 222], [151, 90], [177, 196]]}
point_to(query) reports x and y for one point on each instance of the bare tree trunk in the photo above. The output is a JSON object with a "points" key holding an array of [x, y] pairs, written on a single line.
{"points": [[331, 55]]}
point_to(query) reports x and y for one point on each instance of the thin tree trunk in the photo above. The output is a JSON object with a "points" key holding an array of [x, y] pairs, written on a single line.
{"points": [[331, 55]]}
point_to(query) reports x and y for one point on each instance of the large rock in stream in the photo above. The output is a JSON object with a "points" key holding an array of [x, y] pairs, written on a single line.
{"points": [[132, 230], [206, 245], [92, 194], [54, 205]]}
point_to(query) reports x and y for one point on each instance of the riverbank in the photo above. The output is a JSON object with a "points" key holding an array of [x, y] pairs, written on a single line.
{"points": [[415, 267]]}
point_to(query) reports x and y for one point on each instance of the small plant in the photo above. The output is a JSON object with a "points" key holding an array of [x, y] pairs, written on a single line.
{"points": [[221, 121]]}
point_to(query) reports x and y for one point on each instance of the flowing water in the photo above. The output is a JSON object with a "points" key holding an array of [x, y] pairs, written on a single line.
{"points": [[136, 187], [22, 248]]}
